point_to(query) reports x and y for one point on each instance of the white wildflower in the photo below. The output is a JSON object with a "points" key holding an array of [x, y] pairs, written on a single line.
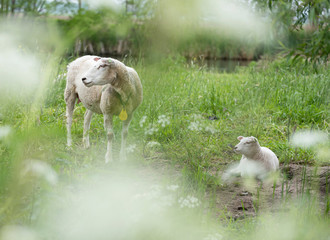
{"points": [[151, 130], [4, 131], [131, 148], [197, 116], [172, 187], [189, 202], [143, 120], [163, 120], [152, 144], [60, 77], [195, 126], [210, 129]]}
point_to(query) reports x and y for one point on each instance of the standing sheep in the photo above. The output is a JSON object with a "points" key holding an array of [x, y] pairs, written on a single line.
{"points": [[105, 86], [256, 161]]}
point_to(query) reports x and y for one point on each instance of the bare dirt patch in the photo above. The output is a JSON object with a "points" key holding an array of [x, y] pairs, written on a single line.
{"points": [[238, 199]]}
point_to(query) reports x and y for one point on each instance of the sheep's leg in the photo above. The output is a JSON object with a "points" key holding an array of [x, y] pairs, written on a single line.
{"points": [[87, 124], [124, 134], [110, 134], [70, 99]]}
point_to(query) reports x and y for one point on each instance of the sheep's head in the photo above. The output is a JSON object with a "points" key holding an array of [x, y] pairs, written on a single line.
{"points": [[247, 145], [102, 72]]}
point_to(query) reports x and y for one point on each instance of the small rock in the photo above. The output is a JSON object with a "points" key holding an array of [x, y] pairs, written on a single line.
{"points": [[245, 193]]}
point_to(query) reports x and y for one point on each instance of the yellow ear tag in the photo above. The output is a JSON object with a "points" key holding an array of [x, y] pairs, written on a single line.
{"points": [[123, 115]]}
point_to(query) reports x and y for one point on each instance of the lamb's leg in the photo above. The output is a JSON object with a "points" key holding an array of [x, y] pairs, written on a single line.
{"points": [[87, 124], [109, 130], [70, 99], [124, 134]]}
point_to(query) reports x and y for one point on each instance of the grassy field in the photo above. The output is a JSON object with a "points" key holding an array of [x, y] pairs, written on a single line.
{"points": [[188, 121]]}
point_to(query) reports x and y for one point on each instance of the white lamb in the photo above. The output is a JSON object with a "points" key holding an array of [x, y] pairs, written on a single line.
{"points": [[256, 161], [105, 86]]}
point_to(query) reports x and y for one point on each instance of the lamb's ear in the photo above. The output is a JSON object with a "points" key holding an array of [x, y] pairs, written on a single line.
{"points": [[240, 138], [254, 139], [96, 59]]}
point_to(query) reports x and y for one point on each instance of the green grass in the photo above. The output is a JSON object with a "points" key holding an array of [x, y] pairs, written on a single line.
{"points": [[269, 101]]}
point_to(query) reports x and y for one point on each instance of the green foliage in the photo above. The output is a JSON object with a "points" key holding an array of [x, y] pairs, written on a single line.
{"points": [[309, 17], [96, 26], [35, 7], [298, 95]]}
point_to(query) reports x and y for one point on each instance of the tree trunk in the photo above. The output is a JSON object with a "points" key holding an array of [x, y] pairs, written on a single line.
{"points": [[7, 7], [2, 6], [13, 6]]}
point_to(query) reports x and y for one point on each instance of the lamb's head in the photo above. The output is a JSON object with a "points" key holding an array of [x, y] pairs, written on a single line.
{"points": [[102, 72], [247, 146]]}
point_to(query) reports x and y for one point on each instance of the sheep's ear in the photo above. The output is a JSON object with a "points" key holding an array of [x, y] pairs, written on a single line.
{"points": [[96, 59], [240, 138], [254, 139]]}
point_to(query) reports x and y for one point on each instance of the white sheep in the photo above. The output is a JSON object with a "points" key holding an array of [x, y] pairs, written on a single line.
{"points": [[105, 86], [256, 160]]}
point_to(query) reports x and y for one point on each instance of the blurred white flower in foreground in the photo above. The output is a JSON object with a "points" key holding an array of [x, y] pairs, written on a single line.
{"points": [[40, 169], [4, 131], [119, 206], [306, 139], [172, 187], [215, 236], [189, 202], [12, 232], [16, 83]]}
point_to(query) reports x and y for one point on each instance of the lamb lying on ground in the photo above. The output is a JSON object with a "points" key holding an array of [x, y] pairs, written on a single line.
{"points": [[105, 86], [256, 161]]}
